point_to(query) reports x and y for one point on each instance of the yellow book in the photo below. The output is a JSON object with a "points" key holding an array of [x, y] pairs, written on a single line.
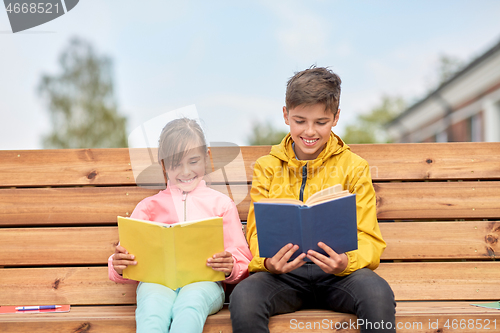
{"points": [[173, 255]]}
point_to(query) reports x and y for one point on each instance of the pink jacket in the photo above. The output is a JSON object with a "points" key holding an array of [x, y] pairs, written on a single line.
{"points": [[172, 205]]}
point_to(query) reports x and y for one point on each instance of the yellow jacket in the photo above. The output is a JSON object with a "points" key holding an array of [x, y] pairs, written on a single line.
{"points": [[281, 175]]}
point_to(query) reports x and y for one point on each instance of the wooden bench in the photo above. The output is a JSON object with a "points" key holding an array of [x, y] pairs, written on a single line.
{"points": [[438, 207]]}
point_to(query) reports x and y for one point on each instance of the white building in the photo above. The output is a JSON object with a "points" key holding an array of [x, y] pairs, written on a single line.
{"points": [[465, 108]]}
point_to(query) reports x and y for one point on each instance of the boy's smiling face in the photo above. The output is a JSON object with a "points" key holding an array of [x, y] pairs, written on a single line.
{"points": [[310, 127]]}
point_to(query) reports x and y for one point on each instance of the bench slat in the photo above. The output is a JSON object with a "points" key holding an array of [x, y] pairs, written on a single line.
{"points": [[89, 205], [57, 246], [109, 319], [77, 167], [82, 206], [93, 245], [98, 205], [65, 285], [422, 161], [121, 319], [65, 167], [443, 280], [89, 285], [111, 166], [436, 161], [438, 200], [441, 240]]}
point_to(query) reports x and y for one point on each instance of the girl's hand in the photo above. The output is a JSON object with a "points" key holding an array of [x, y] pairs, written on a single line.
{"points": [[222, 262], [121, 259], [334, 263]]}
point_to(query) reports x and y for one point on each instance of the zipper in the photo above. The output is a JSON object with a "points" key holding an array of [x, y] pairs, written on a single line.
{"points": [[184, 196], [304, 179]]}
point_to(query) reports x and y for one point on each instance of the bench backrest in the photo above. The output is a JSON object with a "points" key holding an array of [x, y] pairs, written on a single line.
{"points": [[438, 207]]}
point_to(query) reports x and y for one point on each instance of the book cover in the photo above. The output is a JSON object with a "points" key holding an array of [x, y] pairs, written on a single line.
{"points": [[173, 255], [491, 305], [332, 222]]}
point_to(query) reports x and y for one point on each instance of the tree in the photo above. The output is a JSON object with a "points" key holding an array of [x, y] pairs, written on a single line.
{"points": [[446, 67], [81, 101], [369, 127], [265, 134]]}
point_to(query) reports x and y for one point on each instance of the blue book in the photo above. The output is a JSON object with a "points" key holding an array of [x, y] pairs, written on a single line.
{"points": [[329, 218]]}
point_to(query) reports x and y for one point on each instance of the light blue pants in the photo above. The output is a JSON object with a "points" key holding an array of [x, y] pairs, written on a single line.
{"points": [[161, 309]]}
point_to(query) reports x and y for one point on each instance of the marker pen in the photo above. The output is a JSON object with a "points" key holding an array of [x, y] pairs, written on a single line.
{"points": [[40, 307]]}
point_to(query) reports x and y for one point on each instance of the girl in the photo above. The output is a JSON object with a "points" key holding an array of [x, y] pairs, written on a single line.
{"points": [[182, 154]]}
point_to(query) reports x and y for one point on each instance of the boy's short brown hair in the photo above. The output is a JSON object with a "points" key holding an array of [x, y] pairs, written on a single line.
{"points": [[314, 85]]}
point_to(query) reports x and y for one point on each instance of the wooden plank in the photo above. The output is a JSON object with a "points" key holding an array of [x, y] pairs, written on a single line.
{"points": [[121, 166], [442, 308], [418, 317], [438, 200], [407, 321], [76, 167], [412, 161], [436, 161], [57, 246], [93, 245], [82, 206], [65, 167], [421, 281], [90, 285], [441, 240], [101, 205], [80, 319], [417, 200], [53, 206], [410, 317], [64, 285], [420, 161]]}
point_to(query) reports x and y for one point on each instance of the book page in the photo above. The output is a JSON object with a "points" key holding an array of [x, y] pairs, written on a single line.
{"points": [[282, 201], [165, 225], [330, 197], [328, 194], [320, 195]]}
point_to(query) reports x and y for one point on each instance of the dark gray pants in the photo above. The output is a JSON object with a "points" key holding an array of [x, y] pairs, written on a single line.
{"points": [[264, 294]]}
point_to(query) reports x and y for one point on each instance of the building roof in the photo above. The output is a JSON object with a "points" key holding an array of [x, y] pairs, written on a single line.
{"points": [[457, 76]]}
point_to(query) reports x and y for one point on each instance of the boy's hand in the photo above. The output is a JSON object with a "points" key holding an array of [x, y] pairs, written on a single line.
{"points": [[279, 263], [222, 261], [121, 259], [333, 264]]}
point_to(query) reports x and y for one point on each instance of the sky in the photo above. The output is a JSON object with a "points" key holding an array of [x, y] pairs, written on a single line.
{"points": [[232, 59]]}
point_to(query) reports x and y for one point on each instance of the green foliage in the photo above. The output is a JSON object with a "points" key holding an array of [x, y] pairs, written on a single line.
{"points": [[81, 101], [265, 134], [369, 127]]}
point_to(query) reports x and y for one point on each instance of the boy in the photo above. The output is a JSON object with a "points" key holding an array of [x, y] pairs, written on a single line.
{"points": [[310, 158]]}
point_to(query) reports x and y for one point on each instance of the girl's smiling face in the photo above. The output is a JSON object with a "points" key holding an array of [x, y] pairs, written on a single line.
{"points": [[190, 170], [310, 127]]}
